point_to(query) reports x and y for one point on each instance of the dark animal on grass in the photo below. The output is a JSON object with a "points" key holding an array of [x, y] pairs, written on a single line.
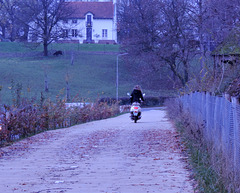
{"points": [[57, 53]]}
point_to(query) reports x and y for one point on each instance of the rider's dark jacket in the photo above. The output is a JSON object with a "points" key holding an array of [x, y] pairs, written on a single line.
{"points": [[136, 96]]}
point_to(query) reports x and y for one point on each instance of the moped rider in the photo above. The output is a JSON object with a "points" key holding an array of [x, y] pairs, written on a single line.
{"points": [[136, 95]]}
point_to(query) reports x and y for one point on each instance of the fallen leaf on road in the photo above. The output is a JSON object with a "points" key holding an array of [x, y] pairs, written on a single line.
{"points": [[58, 182]]}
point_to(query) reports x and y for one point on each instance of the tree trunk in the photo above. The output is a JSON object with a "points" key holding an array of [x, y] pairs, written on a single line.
{"points": [[26, 31], [46, 82], [45, 45], [13, 33], [68, 91], [172, 65], [200, 31], [45, 31], [186, 75]]}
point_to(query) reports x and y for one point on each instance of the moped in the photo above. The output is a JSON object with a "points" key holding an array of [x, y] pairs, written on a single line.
{"points": [[135, 110]]}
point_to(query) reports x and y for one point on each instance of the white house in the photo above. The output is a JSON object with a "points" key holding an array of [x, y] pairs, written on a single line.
{"points": [[91, 22]]}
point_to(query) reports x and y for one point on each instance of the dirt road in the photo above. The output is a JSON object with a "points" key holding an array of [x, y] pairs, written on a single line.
{"points": [[107, 156]]}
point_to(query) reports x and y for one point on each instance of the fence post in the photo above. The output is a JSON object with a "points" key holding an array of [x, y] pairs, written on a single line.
{"points": [[225, 133], [216, 124], [199, 107], [230, 136], [236, 153], [191, 104], [204, 111], [221, 126], [208, 116]]}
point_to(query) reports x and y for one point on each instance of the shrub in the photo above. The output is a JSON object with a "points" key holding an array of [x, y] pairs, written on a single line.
{"points": [[149, 101], [30, 118]]}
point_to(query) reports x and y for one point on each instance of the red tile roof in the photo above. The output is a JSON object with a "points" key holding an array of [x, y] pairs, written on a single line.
{"points": [[100, 10]]}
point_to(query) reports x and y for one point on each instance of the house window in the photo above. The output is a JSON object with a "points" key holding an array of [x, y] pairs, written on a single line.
{"points": [[89, 18], [104, 33], [74, 21], [65, 33], [89, 21], [65, 21], [74, 33]]}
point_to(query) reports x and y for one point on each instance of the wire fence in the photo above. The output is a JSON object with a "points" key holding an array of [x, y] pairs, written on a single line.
{"points": [[220, 120]]}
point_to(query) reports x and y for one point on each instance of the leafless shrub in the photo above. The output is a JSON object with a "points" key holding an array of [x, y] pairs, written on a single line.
{"points": [[30, 118]]}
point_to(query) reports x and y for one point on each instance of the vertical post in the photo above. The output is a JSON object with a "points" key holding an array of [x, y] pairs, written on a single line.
{"points": [[208, 115], [236, 154], [117, 80], [117, 75]]}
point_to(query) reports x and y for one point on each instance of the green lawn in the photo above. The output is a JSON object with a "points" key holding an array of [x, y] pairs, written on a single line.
{"points": [[92, 74], [14, 47]]}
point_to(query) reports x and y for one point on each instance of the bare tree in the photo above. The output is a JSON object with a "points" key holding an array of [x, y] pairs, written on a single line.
{"points": [[198, 12], [138, 24], [215, 21], [9, 13], [3, 20], [217, 25], [160, 32], [43, 19]]}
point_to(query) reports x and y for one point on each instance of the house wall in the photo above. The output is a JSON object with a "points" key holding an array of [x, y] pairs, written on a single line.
{"points": [[97, 26], [80, 26]]}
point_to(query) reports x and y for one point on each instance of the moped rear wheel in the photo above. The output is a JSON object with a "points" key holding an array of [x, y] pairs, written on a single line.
{"points": [[135, 119]]}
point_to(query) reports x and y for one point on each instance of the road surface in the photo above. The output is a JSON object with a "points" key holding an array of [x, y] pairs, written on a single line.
{"points": [[108, 156]]}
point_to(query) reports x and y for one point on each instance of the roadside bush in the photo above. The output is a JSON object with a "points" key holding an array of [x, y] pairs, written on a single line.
{"points": [[30, 118], [153, 101], [149, 101]]}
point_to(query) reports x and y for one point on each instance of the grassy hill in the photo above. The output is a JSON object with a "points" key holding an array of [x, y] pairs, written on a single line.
{"points": [[92, 75]]}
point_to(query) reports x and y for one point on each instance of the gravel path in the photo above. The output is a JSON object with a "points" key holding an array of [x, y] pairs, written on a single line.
{"points": [[108, 156]]}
